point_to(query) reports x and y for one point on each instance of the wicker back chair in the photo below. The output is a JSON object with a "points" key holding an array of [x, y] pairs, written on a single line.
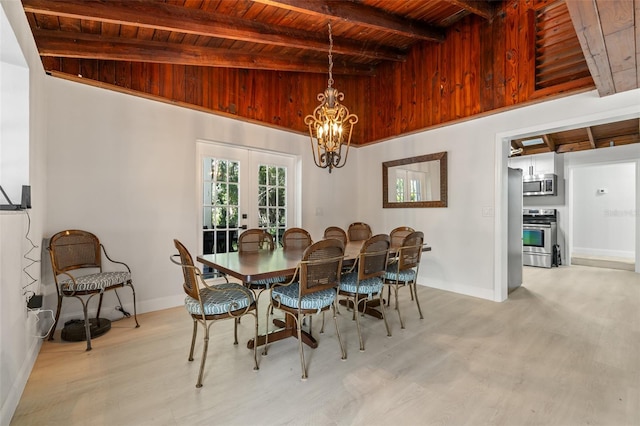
{"points": [[253, 240], [73, 254], [364, 283], [207, 303], [337, 233], [403, 269], [398, 235], [313, 289], [359, 231], [296, 239]]}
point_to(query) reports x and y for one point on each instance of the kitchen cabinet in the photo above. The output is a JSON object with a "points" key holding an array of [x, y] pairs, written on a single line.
{"points": [[537, 164]]}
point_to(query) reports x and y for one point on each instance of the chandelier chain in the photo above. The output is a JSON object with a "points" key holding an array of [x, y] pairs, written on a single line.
{"points": [[330, 57]]}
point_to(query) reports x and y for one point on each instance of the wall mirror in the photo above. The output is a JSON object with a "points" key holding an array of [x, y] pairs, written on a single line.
{"points": [[415, 182]]}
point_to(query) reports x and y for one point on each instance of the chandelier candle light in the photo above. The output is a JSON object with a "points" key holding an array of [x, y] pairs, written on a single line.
{"points": [[330, 125]]}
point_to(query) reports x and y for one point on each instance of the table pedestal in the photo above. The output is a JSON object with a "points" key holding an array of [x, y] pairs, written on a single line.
{"points": [[287, 329]]}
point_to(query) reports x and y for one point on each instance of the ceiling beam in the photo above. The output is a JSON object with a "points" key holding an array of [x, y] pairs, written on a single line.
{"points": [[586, 21], [351, 12], [480, 8], [592, 140], [166, 17], [89, 46], [548, 140]]}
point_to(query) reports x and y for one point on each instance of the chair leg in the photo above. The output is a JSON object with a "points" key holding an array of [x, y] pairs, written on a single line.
{"points": [[87, 327], [322, 328], [395, 290], [204, 353], [193, 338], [415, 290], [356, 305], [266, 332], [135, 312], [255, 340], [99, 304], [384, 316], [301, 345], [55, 321], [235, 330], [335, 320]]}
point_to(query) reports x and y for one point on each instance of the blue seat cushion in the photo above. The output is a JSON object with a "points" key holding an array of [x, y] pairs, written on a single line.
{"points": [[404, 276], [288, 296], [226, 297], [370, 286], [95, 282], [267, 282]]}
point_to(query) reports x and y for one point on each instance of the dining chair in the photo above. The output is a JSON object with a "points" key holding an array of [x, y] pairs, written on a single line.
{"points": [[364, 283], [208, 303], [253, 241], [336, 232], [402, 270], [397, 236], [359, 231], [296, 239], [76, 260], [312, 290]]}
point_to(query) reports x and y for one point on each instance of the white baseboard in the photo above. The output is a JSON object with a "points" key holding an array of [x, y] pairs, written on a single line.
{"points": [[467, 290]]}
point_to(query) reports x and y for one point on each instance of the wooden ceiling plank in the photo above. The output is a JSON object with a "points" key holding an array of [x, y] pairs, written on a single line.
{"points": [[72, 45], [480, 8], [161, 16], [592, 140], [586, 21], [350, 12]]}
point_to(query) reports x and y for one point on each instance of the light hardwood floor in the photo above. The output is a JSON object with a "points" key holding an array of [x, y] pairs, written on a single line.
{"points": [[563, 350]]}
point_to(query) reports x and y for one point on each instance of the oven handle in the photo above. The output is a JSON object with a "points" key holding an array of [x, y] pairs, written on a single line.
{"points": [[536, 226]]}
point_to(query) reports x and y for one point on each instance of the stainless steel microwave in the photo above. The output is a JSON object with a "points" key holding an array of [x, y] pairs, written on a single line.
{"points": [[539, 185]]}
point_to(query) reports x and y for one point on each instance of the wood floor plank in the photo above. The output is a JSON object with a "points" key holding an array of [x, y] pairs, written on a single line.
{"points": [[563, 350]]}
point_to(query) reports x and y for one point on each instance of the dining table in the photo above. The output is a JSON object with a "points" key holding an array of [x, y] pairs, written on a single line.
{"points": [[263, 264]]}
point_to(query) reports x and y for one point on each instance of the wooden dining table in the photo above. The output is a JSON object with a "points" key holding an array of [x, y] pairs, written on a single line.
{"points": [[248, 267], [263, 264]]}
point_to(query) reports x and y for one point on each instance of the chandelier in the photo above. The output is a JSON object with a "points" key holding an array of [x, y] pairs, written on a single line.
{"points": [[330, 125]]}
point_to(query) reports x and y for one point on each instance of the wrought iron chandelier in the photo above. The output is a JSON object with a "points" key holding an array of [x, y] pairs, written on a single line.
{"points": [[330, 125]]}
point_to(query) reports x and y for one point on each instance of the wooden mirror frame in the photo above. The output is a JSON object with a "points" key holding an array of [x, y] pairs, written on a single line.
{"points": [[442, 202]]}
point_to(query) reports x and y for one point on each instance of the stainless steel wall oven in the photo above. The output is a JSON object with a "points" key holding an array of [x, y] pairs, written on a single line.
{"points": [[539, 237]]}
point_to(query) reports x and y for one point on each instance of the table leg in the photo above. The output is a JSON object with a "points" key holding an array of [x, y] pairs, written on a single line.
{"points": [[287, 329]]}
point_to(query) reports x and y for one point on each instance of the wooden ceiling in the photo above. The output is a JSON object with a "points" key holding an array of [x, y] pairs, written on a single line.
{"points": [[370, 37], [281, 35], [593, 137]]}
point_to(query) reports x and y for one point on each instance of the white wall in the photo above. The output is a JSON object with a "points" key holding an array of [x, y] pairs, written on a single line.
{"points": [[23, 120], [124, 168], [604, 210]]}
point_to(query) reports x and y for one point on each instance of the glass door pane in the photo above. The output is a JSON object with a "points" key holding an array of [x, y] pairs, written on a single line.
{"points": [[221, 205]]}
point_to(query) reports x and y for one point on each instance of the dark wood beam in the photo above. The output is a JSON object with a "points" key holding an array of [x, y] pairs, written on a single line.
{"points": [[351, 12], [483, 9], [74, 45], [166, 17], [586, 21]]}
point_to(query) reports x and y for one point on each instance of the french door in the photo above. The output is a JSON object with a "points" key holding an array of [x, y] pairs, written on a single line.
{"points": [[242, 189]]}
